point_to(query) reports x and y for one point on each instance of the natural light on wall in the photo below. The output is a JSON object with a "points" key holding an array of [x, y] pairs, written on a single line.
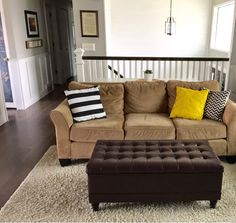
{"points": [[222, 26]]}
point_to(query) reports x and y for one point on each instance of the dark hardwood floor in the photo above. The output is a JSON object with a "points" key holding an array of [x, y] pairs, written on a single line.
{"points": [[24, 140]]}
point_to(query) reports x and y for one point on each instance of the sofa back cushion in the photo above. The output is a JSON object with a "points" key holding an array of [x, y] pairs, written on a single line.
{"points": [[172, 84], [145, 97], [112, 95]]}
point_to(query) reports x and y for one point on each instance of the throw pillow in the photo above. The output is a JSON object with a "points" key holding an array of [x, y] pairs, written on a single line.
{"points": [[215, 105], [189, 103], [85, 104]]}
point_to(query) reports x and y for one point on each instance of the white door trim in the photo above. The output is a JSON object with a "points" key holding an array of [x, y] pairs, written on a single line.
{"points": [[3, 111], [15, 86]]}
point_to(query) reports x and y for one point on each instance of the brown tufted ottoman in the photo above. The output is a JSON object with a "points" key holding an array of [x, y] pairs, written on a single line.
{"points": [[149, 171]]}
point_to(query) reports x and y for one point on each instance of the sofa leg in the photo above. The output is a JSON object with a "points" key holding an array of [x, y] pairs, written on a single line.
{"points": [[95, 206], [231, 159], [213, 203], [65, 162]]}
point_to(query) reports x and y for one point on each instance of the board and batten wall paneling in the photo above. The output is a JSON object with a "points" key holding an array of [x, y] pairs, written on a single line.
{"points": [[36, 79]]}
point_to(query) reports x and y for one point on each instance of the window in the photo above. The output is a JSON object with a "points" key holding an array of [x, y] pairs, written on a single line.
{"points": [[222, 26]]}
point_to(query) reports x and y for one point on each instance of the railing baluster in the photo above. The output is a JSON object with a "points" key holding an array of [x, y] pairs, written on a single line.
{"points": [[159, 69], [199, 70], [210, 73], [188, 70], [216, 72], [176, 69], [207, 70], [226, 81], [142, 74], [193, 71], [153, 69], [105, 70], [147, 65], [204, 71], [90, 70], [94, 71], [124, 71], [181, 70], [118, 69], [170, 70], [100, 69], [112, 70], [130, 69], [185, 70], [221, 74], [136, 68], [164, 76]]}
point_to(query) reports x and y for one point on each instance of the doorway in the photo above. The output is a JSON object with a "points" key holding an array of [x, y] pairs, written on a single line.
{"points": [[59, 26], [4, 71]]}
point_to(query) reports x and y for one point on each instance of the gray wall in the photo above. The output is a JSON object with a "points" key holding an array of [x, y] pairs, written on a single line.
{"points": [[100, 42], [16, 28]]}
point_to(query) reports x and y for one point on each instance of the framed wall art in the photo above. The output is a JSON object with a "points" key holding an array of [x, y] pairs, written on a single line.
{"points": [[32, 27], [89, 23]]}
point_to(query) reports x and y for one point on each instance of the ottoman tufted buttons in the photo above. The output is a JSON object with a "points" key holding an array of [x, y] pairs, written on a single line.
{"points": [[165, 156]]}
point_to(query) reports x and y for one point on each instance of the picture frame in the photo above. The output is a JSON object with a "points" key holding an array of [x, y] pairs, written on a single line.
{"points": [[31, 21], [89, 23]]}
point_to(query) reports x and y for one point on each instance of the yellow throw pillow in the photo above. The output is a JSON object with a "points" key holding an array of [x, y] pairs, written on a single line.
{"points": [[189, 103]]}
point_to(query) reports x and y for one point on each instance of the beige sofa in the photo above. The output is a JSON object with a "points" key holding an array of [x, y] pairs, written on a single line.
{"points": [[139, 110]]}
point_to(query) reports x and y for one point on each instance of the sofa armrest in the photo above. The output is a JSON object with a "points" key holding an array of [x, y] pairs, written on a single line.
{"points": [[229, 118], [62, 119]]}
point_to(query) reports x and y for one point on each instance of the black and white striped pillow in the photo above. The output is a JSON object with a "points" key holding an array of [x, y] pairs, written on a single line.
{"points": [[85, 104], [215, 104]]}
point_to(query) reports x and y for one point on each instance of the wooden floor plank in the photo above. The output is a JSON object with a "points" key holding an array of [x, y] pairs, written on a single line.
{"points": [[24, 140]]}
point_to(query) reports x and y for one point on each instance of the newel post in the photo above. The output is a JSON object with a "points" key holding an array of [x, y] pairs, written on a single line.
{"points": [[79, 52]]}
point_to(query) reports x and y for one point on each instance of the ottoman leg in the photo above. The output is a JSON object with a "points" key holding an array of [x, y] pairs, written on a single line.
{"points": [[213, 204], [95, 206]]}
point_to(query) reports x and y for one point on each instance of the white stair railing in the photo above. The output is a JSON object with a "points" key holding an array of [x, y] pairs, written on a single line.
{"points": [[116, 69]]}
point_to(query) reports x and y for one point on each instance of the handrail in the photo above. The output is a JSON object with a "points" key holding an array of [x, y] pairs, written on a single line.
{"points": [[156, 58]]}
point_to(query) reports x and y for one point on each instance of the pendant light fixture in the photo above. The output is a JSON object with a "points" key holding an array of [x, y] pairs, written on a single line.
{"points": [[170, 24]]}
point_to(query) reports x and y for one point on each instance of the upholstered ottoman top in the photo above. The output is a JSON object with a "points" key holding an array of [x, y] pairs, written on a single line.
{"points": [[157, 156]]}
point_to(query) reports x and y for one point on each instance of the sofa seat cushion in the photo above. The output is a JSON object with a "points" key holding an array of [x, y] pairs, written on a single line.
{"points": [[204, 129], [146, 126], [90, 131]]}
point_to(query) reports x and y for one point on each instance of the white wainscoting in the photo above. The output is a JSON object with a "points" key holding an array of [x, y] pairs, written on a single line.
{"points": [[36, 78], [14, 73]]}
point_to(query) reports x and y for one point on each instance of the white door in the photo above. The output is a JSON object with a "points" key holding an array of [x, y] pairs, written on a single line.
{"points": [[4, 71]]}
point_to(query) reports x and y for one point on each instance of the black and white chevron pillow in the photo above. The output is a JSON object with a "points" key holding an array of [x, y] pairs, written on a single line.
{"points": [[215, 104], [85, 104]]}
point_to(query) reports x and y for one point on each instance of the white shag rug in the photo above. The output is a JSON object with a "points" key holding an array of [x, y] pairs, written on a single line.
{"points": [[51, 193]]}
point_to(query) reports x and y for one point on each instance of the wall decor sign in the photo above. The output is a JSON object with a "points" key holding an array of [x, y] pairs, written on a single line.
{"points": [[34, 43], [32, 27], [89, 23]]}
